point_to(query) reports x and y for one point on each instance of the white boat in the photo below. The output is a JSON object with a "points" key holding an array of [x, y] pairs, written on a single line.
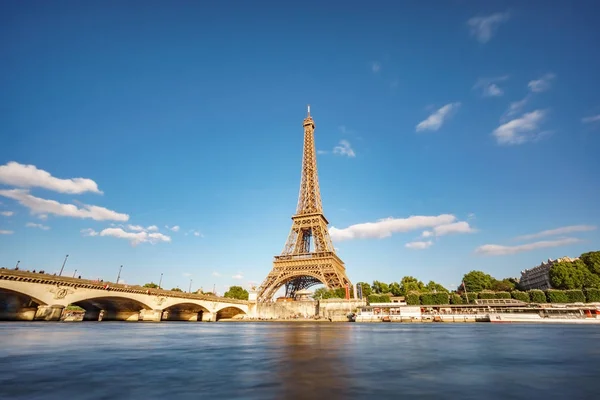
{"points": [[547, 315]]}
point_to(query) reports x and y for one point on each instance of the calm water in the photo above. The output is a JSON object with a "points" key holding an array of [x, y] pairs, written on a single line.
{"points": [[297, 360]]}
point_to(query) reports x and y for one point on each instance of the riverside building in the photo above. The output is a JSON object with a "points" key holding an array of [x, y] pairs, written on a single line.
{"points": [[538, 277]]}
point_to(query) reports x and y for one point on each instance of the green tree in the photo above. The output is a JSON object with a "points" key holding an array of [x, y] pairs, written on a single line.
{"points": [[366, 289], [505, 285], [436, 287], [151, 285], [476, 281], [567, 275], [380, 287], [592, 261], [176, 290], [237, 292], [396, 289], [411, 284]]}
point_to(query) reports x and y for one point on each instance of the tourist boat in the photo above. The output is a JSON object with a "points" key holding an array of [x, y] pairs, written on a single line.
{"points": [[548, 315]]}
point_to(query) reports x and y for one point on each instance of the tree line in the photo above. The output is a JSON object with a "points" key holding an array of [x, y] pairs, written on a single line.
{"points": [[574, 281]]}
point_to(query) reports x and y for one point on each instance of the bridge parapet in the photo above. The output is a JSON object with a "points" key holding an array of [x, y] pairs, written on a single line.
{"points": [[47, 279]]}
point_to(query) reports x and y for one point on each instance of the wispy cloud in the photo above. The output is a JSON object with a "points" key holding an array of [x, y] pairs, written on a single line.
{"points": [[7, 213], [5, 232], [344, 149], [173, 228], [388, 226], [375, 66], [520, 130], [498, 250], [40, 226], [515, 108], [215, 273], [418, 245], [588, 120], [542, 84], [28, 176], [43, 206], [455, 227], [558, 231], [489, 86], [238, 276], [484, 28], [186, 274], [134, 238], [436, 120]]}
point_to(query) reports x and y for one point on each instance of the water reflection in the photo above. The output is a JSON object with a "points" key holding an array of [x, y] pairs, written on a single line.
{"points": [[313, 361]]}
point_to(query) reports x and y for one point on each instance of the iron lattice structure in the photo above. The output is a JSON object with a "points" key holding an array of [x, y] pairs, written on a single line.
{"points": [[308, 257]]}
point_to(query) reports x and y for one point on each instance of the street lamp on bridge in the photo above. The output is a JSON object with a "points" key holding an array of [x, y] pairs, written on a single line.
{"points": [[119, 276], [190, 289], [160, 281], [63, 266], [74, 273], [17, 266]]}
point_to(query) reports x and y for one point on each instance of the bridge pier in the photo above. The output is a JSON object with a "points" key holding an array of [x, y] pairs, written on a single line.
{"points": [[209, 317], [111, 315], [151, 315], [91, 315], [183, 316], [49, 313]]}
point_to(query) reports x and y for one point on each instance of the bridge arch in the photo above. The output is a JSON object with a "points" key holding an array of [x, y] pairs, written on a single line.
{"points": [[111, 307], [185, 311], [310, 279], [229, 312]]}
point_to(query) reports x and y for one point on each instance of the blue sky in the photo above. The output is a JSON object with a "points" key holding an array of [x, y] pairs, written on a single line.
{"points": [[483, 117]]}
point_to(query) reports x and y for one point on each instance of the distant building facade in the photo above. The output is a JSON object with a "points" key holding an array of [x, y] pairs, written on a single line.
{"points": [[538, 277]]}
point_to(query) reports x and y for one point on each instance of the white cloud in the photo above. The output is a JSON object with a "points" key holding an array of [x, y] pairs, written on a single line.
{"points": [[426, 234], [28, 176], [344, 149], [152, 228], [5, 232], [375, 67], [436, 120], [43, 217], [483, 28], [455, 227], [489, 86], [42, 206], [134, 237], [32, 225], [515, 108], [88, 232], [418, 245], [542, 84], [588, 120], [215, 273], [136, 228], [173, 228], [386, 227], [7, 213], [196, 233], [498, 250], [558, 231], [520, 130], [238, 276], [471, 216]]}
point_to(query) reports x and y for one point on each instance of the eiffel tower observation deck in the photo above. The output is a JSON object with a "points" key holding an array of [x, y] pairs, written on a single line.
{"points": [[308, 257]]}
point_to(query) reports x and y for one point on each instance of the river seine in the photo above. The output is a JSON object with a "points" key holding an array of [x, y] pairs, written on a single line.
{"points": [[113, 360]]}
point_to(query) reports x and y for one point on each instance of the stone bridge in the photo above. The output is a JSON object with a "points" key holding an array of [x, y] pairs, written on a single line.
{"points": [[30, 296]]}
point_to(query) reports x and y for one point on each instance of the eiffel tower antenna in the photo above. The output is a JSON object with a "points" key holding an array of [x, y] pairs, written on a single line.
{"points": [[308, 257]]}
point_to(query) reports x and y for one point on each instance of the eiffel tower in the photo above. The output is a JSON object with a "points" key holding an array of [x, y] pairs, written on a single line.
{"points": [[308, 257]]}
